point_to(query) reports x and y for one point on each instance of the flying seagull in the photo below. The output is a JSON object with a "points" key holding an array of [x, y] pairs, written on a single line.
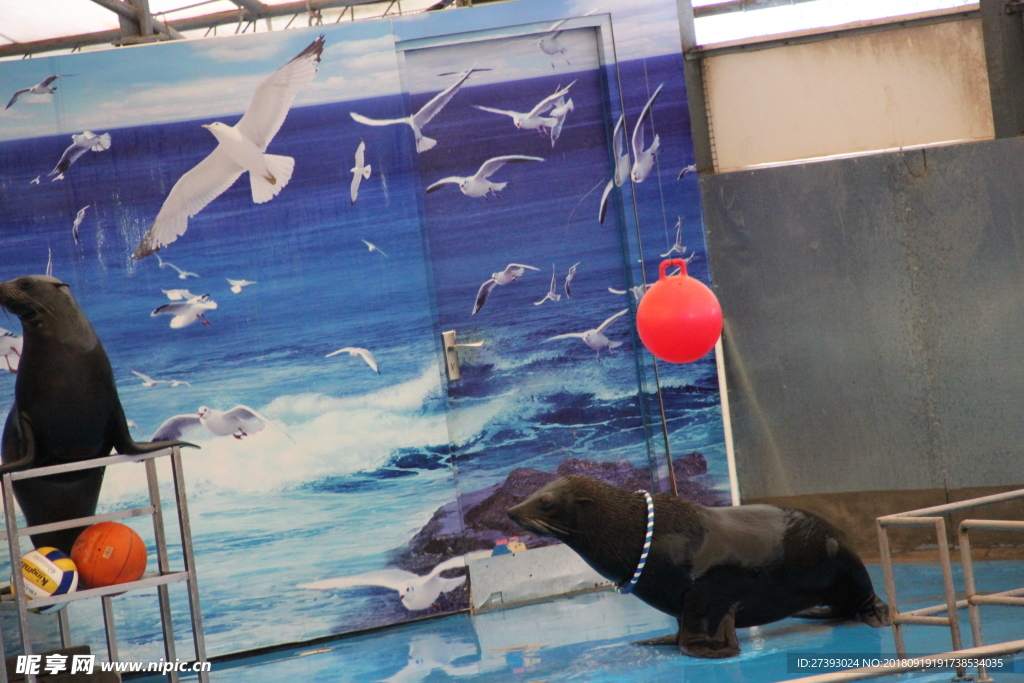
{"points": [[534, 119], [49, 262], [373, 247], [551, 46], [643, 159], [78, 221], [512, 272], [359, 172], [638, 291], [569, 277], [86, 141], [35, 181], [424, 115], [10, 349], [678, 246], [182, 274], [360, 352], [416, 592], [148, 381], [187, 312], [692, 168], [178, 294], [236, 285], [238, 422], [477, 185], [550, 296], [240, 148], [43, 88], [595, 338], [558, 113], [621, 166]]}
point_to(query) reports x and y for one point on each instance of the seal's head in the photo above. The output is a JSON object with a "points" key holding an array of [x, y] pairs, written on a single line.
{"points": [[47, 309], [556, 509]]}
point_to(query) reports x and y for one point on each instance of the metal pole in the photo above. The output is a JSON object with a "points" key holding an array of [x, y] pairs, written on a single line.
{"points": [[163, 564], [110, 628], [190, 562], [65, 627], [972, 609], [890, 589], [17, 580], [950, 589]]}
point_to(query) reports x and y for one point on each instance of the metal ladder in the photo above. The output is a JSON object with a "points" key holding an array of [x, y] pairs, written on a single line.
{"points": [[161, 579]]}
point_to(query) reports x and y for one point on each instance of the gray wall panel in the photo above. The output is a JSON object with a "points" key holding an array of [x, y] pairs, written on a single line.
{"points": [[874, 319]]}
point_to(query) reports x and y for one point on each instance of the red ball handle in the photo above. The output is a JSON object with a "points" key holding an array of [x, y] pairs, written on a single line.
{"points": [[667, 263]]}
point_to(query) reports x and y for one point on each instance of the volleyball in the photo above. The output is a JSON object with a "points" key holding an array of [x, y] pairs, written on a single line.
{"points": [[109, 553], [46, 572]]}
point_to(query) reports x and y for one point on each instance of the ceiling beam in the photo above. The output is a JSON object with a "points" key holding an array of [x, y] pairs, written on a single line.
{"points": [[255, 8], [172, 28]]}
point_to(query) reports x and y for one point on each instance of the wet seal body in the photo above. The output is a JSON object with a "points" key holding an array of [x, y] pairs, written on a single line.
{"points": [[65, 410], [714, 569]]}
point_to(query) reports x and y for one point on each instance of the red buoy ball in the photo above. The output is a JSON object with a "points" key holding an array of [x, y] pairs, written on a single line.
{"points": [[109, 553], [679, 319]]}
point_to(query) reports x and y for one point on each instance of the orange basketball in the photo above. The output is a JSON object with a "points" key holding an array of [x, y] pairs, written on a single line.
{"points": [[109, 553]]}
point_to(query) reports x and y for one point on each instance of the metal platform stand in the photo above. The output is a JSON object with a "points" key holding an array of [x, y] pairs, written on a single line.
{"points": [[160, 579]]}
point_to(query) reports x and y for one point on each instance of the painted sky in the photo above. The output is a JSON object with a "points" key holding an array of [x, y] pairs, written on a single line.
{"points": [[194, 79]]}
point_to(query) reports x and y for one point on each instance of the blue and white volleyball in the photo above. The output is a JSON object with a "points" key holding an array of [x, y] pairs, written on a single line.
{"points": [[47, 572]]}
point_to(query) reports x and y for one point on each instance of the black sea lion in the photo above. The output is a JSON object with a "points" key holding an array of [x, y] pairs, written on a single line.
{"points": [[714, 569], [65, 408]]}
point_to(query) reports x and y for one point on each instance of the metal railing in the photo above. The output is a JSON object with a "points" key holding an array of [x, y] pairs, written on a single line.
{"points": [[933, 517], [161, 579]]}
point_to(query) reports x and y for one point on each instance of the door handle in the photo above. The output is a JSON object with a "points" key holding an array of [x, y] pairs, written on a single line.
{"points": [[451, 354]]}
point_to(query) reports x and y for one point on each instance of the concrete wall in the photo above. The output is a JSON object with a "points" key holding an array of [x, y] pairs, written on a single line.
{"points": [[868, 91]]}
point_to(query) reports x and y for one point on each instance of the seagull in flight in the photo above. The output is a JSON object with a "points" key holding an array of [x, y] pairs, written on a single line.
{"points": [[187, 312], [478, 185], [35, 181], [427, 112], [360, 171], [361, 353], [78, 221], [621, 165], [373, 247], [678, 246], [44, 88], [416, 592], [535, 119], [148, 381], [637, 292], [559, 113], [643, 159], [236, 285], [512, 272], [692, 168], [240, 148], [182, 274], [10, 348], [178, 294], [239, 422], [595, 338], [569, 277], [86, 141], [550, 296]]}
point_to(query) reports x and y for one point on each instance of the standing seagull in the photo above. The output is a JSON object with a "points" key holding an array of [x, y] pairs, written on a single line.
{"points": [[535, 118], [569, 277], [360, 352], [86, 141], [182, 274], [240, 148], [512, 272], [373, 247], [43, 88], [550, 296], [78, 221], [424, 115], [595, 338], [359, 172], [477, 185], [236, 285], [621, 165], [643, 159]]}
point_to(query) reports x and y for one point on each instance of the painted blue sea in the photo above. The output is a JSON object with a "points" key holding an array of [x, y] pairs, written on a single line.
{"points": [[355, 463]]}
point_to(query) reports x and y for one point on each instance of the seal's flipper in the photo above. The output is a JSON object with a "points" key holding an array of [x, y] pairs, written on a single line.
{"points": [[876, 613], [672, 640], [125, 445], [19, 443], [696, 642], [818, 613]]}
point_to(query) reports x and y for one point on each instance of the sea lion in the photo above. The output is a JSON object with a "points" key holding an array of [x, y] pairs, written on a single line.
{"points": [[65, 410], [713, 569]]}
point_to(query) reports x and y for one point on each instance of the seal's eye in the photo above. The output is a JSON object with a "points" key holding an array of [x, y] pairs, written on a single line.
{"points": [[547, 501]]}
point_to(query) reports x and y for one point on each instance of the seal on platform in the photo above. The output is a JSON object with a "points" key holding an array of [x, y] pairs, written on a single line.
{"points": [[713, 569], [65, 410]]}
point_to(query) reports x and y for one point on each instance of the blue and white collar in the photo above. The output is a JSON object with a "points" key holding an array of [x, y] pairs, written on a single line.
{"points": [[628, 588]]}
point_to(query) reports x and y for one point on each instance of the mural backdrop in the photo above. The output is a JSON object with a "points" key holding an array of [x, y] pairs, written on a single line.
{"points": [[269, 232]]}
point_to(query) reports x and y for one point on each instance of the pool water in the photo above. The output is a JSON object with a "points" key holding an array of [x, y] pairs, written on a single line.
{"points": [[588, 638]]}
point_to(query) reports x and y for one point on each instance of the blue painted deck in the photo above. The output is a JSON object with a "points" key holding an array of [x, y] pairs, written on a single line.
{"points": [[587, 638]]}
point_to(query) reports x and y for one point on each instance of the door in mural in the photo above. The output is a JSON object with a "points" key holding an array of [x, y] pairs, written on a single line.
{"points": [[522, 266]]}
